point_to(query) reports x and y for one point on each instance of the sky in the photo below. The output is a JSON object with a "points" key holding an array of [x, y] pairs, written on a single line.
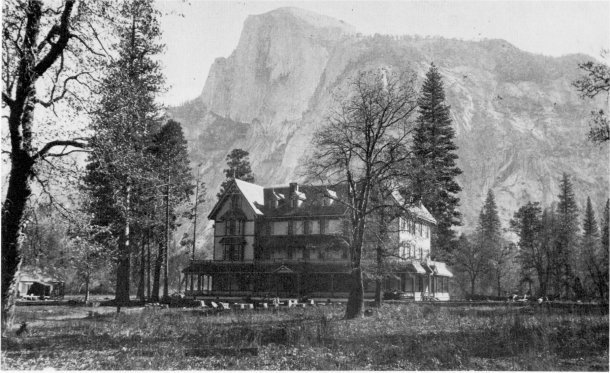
{"points": [[197, 32]]}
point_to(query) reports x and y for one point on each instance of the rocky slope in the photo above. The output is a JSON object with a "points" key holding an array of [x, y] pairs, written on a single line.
{"points": [[519, 122]]}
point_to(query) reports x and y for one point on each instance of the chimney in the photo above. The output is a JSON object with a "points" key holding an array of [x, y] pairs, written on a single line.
{"points": [[294, 189]]}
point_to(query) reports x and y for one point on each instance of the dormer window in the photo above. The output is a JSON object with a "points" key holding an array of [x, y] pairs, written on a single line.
{"points": [[329, 198]]}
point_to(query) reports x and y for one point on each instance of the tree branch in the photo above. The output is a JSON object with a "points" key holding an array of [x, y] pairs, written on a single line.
{"points": [[7, 100], [45, 149], [57, 48]]}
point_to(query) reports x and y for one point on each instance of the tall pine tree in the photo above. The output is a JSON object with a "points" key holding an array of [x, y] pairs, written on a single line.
{"points": [[172, 164], [605, 245], [123, 125], [591, 255], [566, 243], [239, 168], [434, 162], [489, 233]]}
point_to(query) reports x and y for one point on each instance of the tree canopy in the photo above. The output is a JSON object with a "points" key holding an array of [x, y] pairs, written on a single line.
{"points": [[363, 146], [434, 162]]}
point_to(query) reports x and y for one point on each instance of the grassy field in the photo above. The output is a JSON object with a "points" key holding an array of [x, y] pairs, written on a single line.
{"points": [[405, 337]]}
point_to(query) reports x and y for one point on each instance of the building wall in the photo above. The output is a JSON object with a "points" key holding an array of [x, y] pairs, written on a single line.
{"points": [[414, 235], [247, 229]]}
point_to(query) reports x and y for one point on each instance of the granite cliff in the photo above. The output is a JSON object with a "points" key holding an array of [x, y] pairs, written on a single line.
{"points": [[518, 120]]}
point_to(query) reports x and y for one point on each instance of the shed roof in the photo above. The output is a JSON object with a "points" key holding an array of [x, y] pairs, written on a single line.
{"points": [[35, 274]]}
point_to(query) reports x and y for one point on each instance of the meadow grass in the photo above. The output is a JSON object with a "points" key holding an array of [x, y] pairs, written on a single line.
{"points": [[406, 337]]}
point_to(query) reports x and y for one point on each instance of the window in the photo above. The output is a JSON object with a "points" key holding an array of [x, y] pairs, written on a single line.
{"points": [[402, 224], [421, 253], [229, 227], [334, 226], [321, 254], [314, 226], [280, 228], [298, 227], [290, 253], [234, 228], [306, 253], [306, 227]]}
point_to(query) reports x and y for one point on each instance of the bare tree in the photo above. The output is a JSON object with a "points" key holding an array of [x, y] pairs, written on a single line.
{"points": [[363, 146], [47, 53], [472, 259]]}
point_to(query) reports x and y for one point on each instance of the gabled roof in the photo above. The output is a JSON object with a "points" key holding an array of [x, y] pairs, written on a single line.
{"points": [[417, 210], [34, 274], [251, 192]]}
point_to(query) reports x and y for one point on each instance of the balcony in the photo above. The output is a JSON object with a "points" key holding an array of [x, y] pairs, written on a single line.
{"points": [[271, 261]]}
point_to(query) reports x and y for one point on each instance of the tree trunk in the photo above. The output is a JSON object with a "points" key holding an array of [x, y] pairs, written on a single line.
{"points": [[166, 251], [157, 274], [472, 283], [122, 280], [355, 301], [123, 267], [142, 283], [378, 280], [12, 215], [148, 264], [87, 280], [378, 291]]}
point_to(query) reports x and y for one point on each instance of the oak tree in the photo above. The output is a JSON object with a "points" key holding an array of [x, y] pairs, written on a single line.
{"points": [[363, 145], [49, 56]]}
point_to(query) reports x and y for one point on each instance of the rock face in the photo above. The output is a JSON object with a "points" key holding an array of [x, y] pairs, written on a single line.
{"points": [[518, 120]]}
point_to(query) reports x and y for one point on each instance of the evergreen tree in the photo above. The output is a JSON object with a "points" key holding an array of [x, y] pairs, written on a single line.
{"points": [[434, 162], [567, 238], [239, 168], [172, 163], [605, 247], [591, 253], [489, 233], [123, 125]]}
